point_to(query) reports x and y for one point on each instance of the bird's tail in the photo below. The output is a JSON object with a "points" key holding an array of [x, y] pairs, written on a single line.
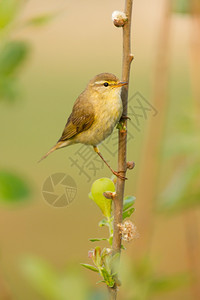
{"points": [[58, 145]]}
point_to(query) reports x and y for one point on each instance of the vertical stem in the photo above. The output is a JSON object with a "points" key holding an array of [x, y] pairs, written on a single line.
{"points": [[127, 58], [122, 144]]}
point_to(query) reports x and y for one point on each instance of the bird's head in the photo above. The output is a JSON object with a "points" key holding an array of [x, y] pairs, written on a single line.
{"points": [[105, 84]]}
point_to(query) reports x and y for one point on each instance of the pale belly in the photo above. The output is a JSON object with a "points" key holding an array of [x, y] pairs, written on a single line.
{"points": [[105, 121]]}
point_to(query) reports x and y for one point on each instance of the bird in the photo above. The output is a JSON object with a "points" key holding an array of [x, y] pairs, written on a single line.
{"points": [[95, 114]]}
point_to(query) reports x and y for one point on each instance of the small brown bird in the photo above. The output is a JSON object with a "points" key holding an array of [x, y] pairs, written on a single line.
{"points": [[94, 115]]}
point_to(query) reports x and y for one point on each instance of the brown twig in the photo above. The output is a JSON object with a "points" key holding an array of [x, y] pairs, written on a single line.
{"points": [[122, 144]]}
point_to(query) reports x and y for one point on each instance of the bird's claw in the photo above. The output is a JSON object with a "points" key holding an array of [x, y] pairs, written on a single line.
{"points": [[119, 176], [123, 117]]}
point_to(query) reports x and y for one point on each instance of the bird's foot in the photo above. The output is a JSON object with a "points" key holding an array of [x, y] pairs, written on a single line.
{"points": [[123, 117], [119, 176]]}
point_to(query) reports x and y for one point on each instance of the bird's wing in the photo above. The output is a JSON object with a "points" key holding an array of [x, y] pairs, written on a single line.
{"points": [[81, 119]]}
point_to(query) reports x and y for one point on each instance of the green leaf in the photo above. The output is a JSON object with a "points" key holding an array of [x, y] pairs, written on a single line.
{"points": [[107, 277], [105, 274], [100, 281], [114, 259], [13, 189], [97, 239], [128, 202], [90, 196], [8, 11], [97, 257], [98, 188], [110, 240], [11, 57], [103, 222], [112, 263], [90, 267], [128, 213]]}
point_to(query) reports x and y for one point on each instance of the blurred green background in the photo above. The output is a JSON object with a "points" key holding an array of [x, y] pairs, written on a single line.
{"points": [[49, 50]]}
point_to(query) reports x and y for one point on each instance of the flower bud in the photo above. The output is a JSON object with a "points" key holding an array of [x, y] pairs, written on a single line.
{"points": [[128, 231], [109, 195], [119, 18], [91, 253], [130, 165]]}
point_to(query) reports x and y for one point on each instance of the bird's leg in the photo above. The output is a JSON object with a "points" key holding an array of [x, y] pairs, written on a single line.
{"points": [[96, 149]]}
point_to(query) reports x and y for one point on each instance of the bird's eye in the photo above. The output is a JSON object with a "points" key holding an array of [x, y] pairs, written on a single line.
{"points": [[106, 84]]}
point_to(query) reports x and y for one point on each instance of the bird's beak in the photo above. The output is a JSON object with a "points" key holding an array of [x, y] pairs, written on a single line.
{"points": [[121, 83]]}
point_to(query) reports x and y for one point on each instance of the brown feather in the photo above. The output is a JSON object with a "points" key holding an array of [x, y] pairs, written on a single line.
{"points": [[81, 118]]}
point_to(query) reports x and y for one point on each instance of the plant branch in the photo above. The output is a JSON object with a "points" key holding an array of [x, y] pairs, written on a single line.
{"points": [[122, 165], [122, 142]]}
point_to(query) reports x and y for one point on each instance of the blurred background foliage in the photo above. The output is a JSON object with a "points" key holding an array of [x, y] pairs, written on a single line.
{"points": [[13, 53], [46, 59]]}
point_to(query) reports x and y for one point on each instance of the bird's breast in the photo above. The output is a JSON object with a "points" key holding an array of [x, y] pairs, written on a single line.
{"points": [[107, 114]]}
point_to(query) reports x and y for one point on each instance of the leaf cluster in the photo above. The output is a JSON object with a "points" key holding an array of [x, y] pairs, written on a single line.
{"points": [[105, 260], [105, 263]]}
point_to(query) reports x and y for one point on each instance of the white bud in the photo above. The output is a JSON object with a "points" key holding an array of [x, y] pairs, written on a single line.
{"points": [[119, 18], [109, 195], [128, 231]]}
